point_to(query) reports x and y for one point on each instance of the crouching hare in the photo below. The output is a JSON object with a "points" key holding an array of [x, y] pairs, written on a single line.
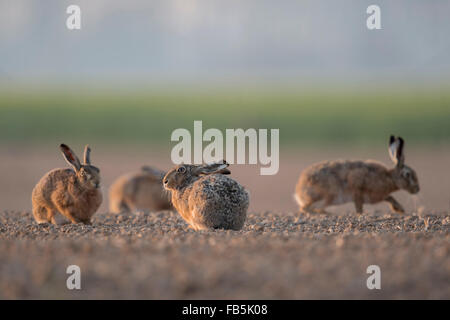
{"points": [[141, 190], [337, 182], [73, 193], [206, 198]]}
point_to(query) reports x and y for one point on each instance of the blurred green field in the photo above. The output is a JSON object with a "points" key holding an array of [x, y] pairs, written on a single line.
{"points": [[149, 116]]}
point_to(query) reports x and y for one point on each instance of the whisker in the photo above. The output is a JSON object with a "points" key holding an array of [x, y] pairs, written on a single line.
{"points": [[167, 194]]}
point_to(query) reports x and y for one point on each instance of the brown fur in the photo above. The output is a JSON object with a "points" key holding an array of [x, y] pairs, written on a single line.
{"points": [[337, 182], [72, 193], [139, 191], [206, 198]]}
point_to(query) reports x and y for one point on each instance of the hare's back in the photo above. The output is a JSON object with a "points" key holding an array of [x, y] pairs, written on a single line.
{"points": [[340, 172], [219, 188], [140, 183], [56, 179]]}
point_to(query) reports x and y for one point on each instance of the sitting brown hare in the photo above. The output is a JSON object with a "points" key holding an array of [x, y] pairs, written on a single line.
{"points": [[73, 193], [206, 198]]}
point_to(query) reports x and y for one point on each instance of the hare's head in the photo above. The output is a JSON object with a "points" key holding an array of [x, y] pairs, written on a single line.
{"points": [[88, 175], [404, 176], [184, 174]]}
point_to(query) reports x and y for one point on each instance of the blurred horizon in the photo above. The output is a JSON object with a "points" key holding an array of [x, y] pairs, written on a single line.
{"points": [[344, 116]]}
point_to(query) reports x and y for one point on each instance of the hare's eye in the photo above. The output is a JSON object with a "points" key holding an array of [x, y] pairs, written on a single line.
{"points": [[181, 170], [407, 175]]}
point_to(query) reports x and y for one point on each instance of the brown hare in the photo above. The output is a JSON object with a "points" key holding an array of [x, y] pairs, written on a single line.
{"points": [[206, 198], [142, 190], [73, 193], [337, 182]]}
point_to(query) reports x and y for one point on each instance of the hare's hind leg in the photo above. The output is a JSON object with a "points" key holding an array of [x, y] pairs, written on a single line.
{"points": [[320, 203], [41, 214], [315, 207], [48, 215], [118, 206], [314, 202]]}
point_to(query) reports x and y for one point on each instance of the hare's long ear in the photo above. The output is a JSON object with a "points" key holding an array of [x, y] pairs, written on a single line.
{"points": [[153, 171], [150, 169], [70, 157], [217, 167], [396, 150], [87, 154]]}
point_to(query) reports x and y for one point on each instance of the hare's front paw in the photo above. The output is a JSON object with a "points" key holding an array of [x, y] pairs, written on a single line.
{"points": [[395, 206]]}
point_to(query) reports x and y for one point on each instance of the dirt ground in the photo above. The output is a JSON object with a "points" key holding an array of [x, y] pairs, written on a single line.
{"points": [[156, 256], [279, 254]]}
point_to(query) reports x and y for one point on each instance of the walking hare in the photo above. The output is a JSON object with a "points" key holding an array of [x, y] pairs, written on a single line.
{"points": [[206, 198], [75, 194], [139, 191], [337, 182]]}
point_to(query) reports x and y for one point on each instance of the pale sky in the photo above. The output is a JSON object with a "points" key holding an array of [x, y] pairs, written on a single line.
{"points": [[211, 38]]}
